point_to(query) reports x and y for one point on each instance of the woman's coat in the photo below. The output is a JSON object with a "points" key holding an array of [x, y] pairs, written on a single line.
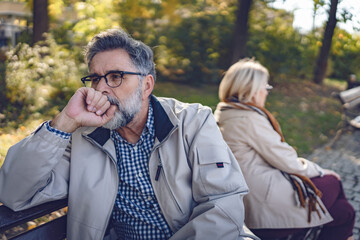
{"points": [[262, 156]]}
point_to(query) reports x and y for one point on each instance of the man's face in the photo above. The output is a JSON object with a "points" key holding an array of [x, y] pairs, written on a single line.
{"points": [[129, 95], [126, 111]]}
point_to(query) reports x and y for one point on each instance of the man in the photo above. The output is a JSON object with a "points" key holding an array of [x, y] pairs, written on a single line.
{"points": [[352, 82], [151, 168]]}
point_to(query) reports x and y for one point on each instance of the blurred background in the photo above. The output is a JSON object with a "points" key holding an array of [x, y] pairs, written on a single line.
{"points": [[310, 48]]}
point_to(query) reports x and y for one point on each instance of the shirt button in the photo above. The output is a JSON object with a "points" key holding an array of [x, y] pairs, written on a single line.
{"points": [[140, 175], [149, 198]]}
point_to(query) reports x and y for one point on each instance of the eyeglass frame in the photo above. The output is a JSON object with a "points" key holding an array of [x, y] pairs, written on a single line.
{"points": [[122, 73]]}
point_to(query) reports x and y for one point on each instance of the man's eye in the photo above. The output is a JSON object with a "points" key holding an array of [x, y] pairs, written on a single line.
{"points": [[94, 79], [115, 76]]}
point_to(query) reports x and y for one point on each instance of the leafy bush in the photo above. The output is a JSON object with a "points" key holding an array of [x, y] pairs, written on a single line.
{"points": [[345, 54], [193, 50], [277, 45], [39, 78]]}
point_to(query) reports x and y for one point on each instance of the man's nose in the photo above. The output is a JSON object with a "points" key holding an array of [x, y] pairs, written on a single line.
{"points": [[102, 86]]}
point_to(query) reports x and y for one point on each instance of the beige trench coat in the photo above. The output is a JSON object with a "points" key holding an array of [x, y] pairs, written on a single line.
{"points": [[261, 155]]}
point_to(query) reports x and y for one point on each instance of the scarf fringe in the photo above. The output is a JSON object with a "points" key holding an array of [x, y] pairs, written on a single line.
{"points": [[306, 192]]}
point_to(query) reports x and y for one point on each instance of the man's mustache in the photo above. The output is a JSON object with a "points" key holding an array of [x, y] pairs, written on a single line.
{"points": [[113, 101]]}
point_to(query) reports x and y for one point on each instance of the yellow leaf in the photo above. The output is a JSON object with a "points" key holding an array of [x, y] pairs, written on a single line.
{"points": [[31, 225]]}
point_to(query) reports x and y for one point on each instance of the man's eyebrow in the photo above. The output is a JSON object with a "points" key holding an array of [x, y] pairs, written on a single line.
{"points": [[110, 71]]}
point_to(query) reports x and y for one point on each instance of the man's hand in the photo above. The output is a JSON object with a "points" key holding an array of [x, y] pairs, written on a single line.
{"points": [[87, 107]]}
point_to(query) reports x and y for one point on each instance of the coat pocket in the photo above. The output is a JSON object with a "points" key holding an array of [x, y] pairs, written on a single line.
{"points": [[217, 173]]}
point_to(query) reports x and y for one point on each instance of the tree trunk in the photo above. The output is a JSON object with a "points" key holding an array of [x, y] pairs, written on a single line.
{"points": [[40, 19], [321, 63], [2, 82], [241, 30]]}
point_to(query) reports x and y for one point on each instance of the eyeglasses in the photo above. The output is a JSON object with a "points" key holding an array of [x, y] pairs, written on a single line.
{"points": [[268, 87], [113, 78]]}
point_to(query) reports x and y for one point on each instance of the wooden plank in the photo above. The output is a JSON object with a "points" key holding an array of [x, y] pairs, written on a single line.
{"points": [[9, 218], [354, 103], [350, 94], [54, 230]]}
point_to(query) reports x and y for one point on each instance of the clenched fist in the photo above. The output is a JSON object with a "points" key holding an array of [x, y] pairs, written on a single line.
{"points": [[87, 107]]}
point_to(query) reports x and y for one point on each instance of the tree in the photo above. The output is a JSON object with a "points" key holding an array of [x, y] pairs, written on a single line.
{"points": [[321, 63], [40, 19], [241, 30], [2, 82]]}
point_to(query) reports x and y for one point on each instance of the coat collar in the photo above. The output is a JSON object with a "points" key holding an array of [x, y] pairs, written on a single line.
{"points": [[163, 124]]}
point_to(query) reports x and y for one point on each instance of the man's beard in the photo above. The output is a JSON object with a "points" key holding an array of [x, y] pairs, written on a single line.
{"points": [[126, 110]]}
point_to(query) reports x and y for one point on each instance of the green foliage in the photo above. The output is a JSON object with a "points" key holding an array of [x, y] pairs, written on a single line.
{"points": [[39, 78], [345, 54], [189, 36], [192, 55], [276, 44], [192, 39], [94, 16]]}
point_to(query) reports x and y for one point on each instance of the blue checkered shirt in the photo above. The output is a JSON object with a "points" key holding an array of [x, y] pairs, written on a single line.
{"points": [[136, 213], [59, 133]]}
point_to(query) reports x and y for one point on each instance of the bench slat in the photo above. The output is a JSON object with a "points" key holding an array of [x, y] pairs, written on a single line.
{"points": [[11, 219], [350, 94], [54, 230], [354, 103]]}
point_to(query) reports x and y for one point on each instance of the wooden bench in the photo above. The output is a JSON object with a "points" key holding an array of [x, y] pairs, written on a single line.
{"points": [[54, 229], [350, 100]]}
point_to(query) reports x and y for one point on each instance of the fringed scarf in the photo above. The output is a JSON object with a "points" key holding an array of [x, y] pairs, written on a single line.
{"points": [[306, 191]]}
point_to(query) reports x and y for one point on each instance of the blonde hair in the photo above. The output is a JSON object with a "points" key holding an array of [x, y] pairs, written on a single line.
{"points": [[243, 80]]}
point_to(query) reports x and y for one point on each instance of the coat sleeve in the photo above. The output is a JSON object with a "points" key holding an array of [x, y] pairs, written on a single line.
{"points": [[35, 170], [218, 184], [258, 133]]}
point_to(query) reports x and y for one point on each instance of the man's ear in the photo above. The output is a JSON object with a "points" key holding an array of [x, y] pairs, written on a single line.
{"points": [[148, 86]]}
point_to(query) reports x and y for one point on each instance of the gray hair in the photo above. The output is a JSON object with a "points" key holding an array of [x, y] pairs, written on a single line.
{"points": [[243, 80], [140, 54]]}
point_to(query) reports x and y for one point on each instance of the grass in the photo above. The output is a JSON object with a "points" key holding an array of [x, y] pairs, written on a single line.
{"points": [[307, 112], [206, 95], [9, 136]]}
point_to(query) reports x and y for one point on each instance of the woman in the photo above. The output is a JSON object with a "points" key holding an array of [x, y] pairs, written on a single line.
{"points": [[283, 200]]}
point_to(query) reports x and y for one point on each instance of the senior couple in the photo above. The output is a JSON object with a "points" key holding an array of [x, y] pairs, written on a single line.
{"points": [[136, 166]]}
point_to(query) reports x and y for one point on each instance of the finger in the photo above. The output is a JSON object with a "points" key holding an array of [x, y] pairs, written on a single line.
{"points": [[102, 108], [95, 101], [89, 96], [103, 100]]}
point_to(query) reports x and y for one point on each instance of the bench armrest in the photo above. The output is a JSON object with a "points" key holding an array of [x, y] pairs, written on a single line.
{"points": [[9, 218]]}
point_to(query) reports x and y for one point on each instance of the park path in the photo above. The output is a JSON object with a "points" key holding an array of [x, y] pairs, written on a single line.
{"points": [[342, 154]]}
